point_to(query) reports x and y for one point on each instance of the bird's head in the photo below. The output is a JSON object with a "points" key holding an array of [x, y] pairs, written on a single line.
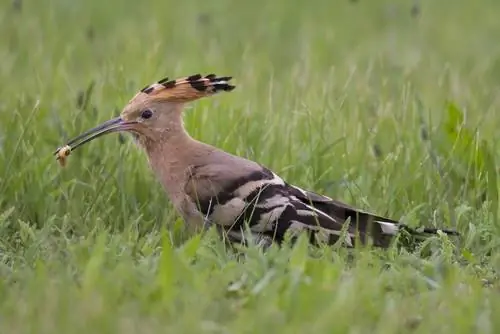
{"points": [[155, 111]]}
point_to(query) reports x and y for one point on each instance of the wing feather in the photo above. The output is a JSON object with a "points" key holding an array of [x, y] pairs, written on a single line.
{"points": [[260, 200]]}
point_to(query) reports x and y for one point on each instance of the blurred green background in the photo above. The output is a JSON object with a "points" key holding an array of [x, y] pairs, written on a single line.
{"points": [[387, 105]]}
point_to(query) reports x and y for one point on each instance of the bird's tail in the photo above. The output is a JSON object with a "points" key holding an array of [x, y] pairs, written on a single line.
{"points": [[428, 230], [389, 229], [424, 231], [187, 88]]}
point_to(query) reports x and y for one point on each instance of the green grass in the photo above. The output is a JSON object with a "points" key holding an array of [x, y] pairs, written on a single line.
{"points": [[361, 100]]}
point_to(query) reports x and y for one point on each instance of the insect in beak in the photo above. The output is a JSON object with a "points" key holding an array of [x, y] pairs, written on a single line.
{"points": [[113, 125]]}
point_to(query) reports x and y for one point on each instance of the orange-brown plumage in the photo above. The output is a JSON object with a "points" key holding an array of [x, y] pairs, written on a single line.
{"points": [[184, 89]]}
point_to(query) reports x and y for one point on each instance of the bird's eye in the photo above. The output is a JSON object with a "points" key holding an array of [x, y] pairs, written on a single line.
{"points": [[147, 113]]}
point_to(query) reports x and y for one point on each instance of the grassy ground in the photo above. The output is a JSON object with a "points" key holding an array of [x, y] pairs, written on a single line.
{"points": [[387, 105]]}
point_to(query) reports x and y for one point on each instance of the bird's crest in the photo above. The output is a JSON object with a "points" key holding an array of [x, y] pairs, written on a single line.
{"points": [[185, 89]]}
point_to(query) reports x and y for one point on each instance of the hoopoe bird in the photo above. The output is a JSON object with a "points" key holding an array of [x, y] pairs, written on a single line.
{"points": [[244, 199]]}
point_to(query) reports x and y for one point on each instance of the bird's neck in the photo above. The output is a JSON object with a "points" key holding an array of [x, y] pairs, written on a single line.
{"points": [[170, 157]]}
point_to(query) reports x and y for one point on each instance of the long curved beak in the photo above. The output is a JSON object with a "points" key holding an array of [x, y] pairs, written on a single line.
{"points": [[113, 125]]}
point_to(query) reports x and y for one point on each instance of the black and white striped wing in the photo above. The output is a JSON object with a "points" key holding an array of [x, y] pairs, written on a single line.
{"points": [[360, 223], [270, 207]]}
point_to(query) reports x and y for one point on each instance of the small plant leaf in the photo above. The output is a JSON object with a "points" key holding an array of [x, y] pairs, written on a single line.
{"points": [[188, 251]]}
